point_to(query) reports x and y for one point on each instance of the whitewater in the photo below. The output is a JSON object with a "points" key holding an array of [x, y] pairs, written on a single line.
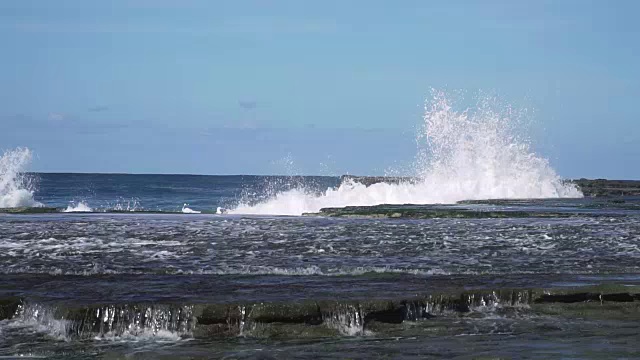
{"points": [[16, 187], [472, 154]]}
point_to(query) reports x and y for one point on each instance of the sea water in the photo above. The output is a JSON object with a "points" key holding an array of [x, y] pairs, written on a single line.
{"points": [[187, 266]]}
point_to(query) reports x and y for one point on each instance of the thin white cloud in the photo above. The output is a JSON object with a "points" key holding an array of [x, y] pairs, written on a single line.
{"points": [[57, 117]]}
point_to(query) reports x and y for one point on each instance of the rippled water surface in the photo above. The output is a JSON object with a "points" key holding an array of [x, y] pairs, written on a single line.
{"points": [[142, 285], [176, 244]]}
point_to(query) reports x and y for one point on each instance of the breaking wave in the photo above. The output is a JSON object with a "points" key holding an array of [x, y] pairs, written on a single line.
{"points": [[16, 187], [473, 154], [79, 207], [187, 210]]}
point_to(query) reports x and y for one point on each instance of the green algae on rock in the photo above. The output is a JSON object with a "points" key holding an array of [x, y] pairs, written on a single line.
{"points": [[431, 212], [308, 319], [589, 187], [29, 210]]}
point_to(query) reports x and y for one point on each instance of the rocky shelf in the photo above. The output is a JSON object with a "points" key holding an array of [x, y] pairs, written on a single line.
{"points": [[321, 318], [29, 210], [603, 187], [52, 210], [410, 211], [590, 188]]}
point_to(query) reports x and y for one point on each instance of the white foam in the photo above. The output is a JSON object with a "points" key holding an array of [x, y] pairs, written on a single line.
{"points": [[315, 270], [468, 155], [157, 326], [16, 188], [41, 319], [252, 270], [347, 319], [187, 210], [79, 207], [144, 335]]}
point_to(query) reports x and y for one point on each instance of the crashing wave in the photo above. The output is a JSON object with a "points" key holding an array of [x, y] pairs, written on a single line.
{"points": [[79, 207], [16, 187], [467, 155], [187, 210]]}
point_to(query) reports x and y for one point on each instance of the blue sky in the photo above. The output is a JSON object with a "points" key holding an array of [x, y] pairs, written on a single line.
{"points": [[227, 87]]}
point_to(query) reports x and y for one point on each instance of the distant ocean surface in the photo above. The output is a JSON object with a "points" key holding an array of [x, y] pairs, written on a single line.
{"points": [[165, 193]]}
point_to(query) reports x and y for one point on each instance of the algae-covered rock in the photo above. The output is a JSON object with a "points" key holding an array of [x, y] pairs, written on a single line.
{"points": [[410, 211], [327, 317], [29, 210], [589, 187], [300, 313], [8, 307], [603, 187], [591, 310]]}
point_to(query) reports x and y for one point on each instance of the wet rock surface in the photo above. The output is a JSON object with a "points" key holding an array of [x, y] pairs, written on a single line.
{"points": [[315, 318], [29, 210], [603, 187], [411, 211], [589, 187]]}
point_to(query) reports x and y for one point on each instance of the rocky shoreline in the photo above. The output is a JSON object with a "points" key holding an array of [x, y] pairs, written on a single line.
{"points": [[590, 188], [325, 317], [410, 211], [599, 188]]}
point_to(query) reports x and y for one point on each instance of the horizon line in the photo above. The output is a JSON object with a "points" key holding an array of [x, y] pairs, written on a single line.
{"points": [[264, 175], [169, 174]]}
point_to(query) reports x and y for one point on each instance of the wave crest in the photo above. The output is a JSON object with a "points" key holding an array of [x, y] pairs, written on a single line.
{"points": [[466, 155], [78, 207], [16, 187]]}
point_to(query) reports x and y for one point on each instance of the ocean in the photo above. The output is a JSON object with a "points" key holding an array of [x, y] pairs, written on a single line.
{"points": [[136, 277], [483, 252]]}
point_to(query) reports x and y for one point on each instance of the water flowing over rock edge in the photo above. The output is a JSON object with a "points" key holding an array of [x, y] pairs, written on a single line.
{"points": [[314, 318]]}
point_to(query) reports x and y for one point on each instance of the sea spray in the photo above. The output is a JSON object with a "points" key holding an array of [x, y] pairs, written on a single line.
{"points": [[466, 155], [78, 207], [187, 210], [477, 154], [16, 187]]}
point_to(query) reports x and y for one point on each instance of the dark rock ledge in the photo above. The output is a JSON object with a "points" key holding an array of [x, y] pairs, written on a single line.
{"points": [[410, 211], [324, 318], [589, 187]]}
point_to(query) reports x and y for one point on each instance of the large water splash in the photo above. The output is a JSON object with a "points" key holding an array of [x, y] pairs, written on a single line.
{"points": [[78, 207], [16, 187], [466, 155]]}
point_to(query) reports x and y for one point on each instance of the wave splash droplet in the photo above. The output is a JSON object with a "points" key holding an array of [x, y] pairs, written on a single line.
{"points": [[78, 207], [16, 187], [467, 155], [187, 210]]}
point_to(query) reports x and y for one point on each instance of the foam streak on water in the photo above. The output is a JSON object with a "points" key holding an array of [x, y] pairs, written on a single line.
{"points": [[470, 155], [16, 189]]}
